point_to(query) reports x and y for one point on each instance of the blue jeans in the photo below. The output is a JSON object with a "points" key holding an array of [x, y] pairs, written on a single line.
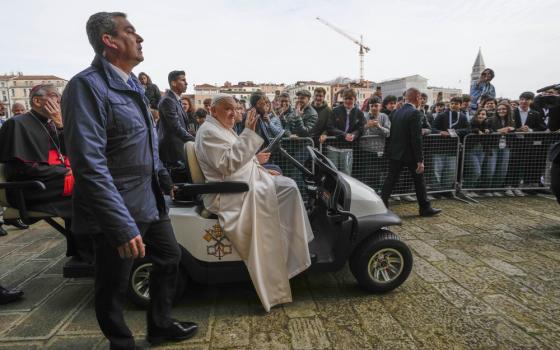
{"points": [[444, 171], [474, 159], [495, 168]]}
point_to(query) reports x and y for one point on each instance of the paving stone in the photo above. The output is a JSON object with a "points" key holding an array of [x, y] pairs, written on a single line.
{"points": [[461, 257], [12, 261], [232, 323], [383, 326], [462, 299], [452, 230], [23, 272], [73, 343], [83, 322], [426, 251], [8, 320], [56, 268], [519, 314], [58, 250], [504, 267], [273, 340], [6, 249], [308, 333], [36, 290], [39, 246], [47, 318], [21, 346], [428, 272]]}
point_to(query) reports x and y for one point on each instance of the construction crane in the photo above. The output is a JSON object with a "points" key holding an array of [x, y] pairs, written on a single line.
{"points": [[363, 48]]}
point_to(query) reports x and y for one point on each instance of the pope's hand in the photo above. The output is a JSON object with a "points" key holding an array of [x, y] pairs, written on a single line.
{"points": [[251, 121], [263, 157], [273, 172]]}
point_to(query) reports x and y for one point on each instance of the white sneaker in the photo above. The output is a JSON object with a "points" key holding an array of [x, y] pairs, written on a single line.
{"points": [[488, 194], [474, 195], [509, 193], [430, 197], [396, 198], [519, 193], [497, 194]]}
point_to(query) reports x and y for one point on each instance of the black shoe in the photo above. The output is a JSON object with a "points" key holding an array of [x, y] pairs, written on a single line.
{"points": [[8, 296], [3, 232], [429, 211], [176, 332], [17, 223]]}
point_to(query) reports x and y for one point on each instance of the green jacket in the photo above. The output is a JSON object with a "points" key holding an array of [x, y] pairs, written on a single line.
{"points": [[302, 125]]}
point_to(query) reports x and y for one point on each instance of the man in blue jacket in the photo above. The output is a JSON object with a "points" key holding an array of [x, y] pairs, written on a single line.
{"points": [[112, 144]]}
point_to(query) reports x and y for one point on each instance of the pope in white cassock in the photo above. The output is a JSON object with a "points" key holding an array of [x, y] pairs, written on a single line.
{"points": [[267, 225]]}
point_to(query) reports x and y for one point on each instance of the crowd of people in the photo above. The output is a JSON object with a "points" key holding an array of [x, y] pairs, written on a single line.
{"points": [[126, 143]]}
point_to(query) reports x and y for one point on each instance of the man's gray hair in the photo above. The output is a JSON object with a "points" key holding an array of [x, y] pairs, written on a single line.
{"points": [[41, 90], [98, 24], [219, 98]]}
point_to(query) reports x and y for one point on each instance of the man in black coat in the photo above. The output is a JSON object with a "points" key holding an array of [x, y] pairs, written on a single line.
{"points": [[173, 123], [405, 150]]}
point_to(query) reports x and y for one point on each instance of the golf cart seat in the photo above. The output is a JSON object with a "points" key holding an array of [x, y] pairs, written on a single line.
{"points": [[200, 186]]}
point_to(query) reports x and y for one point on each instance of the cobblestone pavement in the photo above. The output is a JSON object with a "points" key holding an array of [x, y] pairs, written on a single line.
{"points": [[485, 276]]}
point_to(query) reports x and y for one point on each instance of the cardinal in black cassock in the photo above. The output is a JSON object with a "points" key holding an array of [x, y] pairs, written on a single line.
{"points": [[33, 149]]}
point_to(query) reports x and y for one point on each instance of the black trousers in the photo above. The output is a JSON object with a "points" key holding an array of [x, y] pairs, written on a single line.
{"points": [[395, 168], [112, 275]]}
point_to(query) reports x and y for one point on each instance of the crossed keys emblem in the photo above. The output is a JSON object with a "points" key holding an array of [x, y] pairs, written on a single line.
{"points": [[222, 245]]}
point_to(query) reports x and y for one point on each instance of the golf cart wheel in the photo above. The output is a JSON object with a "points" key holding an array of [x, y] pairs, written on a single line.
{"points": [[139, 283], [381, 263]]}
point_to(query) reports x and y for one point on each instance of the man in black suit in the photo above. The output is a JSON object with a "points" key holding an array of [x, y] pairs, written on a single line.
{"points": [[405, 150], [173, 123]]}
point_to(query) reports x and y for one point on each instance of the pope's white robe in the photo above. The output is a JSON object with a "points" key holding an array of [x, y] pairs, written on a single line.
{"points": [[267, 225]]}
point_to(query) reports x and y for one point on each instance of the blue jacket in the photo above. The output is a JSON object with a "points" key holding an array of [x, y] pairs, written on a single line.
{"points": [[113, 149]]}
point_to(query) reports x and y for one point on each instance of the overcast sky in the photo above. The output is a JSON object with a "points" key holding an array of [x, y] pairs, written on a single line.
{"points": [[281, 41]]}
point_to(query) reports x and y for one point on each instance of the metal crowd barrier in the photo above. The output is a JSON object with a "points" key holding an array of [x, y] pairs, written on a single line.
{"points": [[501, 162], [297, 148], [365, 159], [492, 162]]}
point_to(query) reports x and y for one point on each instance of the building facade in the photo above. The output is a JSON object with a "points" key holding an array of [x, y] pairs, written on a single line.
{"points": [[309, 86], [16, 88], [446, 94], [398, 86]]}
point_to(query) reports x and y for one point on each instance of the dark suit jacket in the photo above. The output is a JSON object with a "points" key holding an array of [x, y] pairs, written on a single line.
{"points": [[337, 122], [534, 120], [406, 134], [441, 123], [172, 130]]}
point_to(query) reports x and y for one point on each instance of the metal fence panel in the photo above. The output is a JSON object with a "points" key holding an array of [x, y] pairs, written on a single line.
{"points": [[502, 162], [297, 148], [367, 161]]}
